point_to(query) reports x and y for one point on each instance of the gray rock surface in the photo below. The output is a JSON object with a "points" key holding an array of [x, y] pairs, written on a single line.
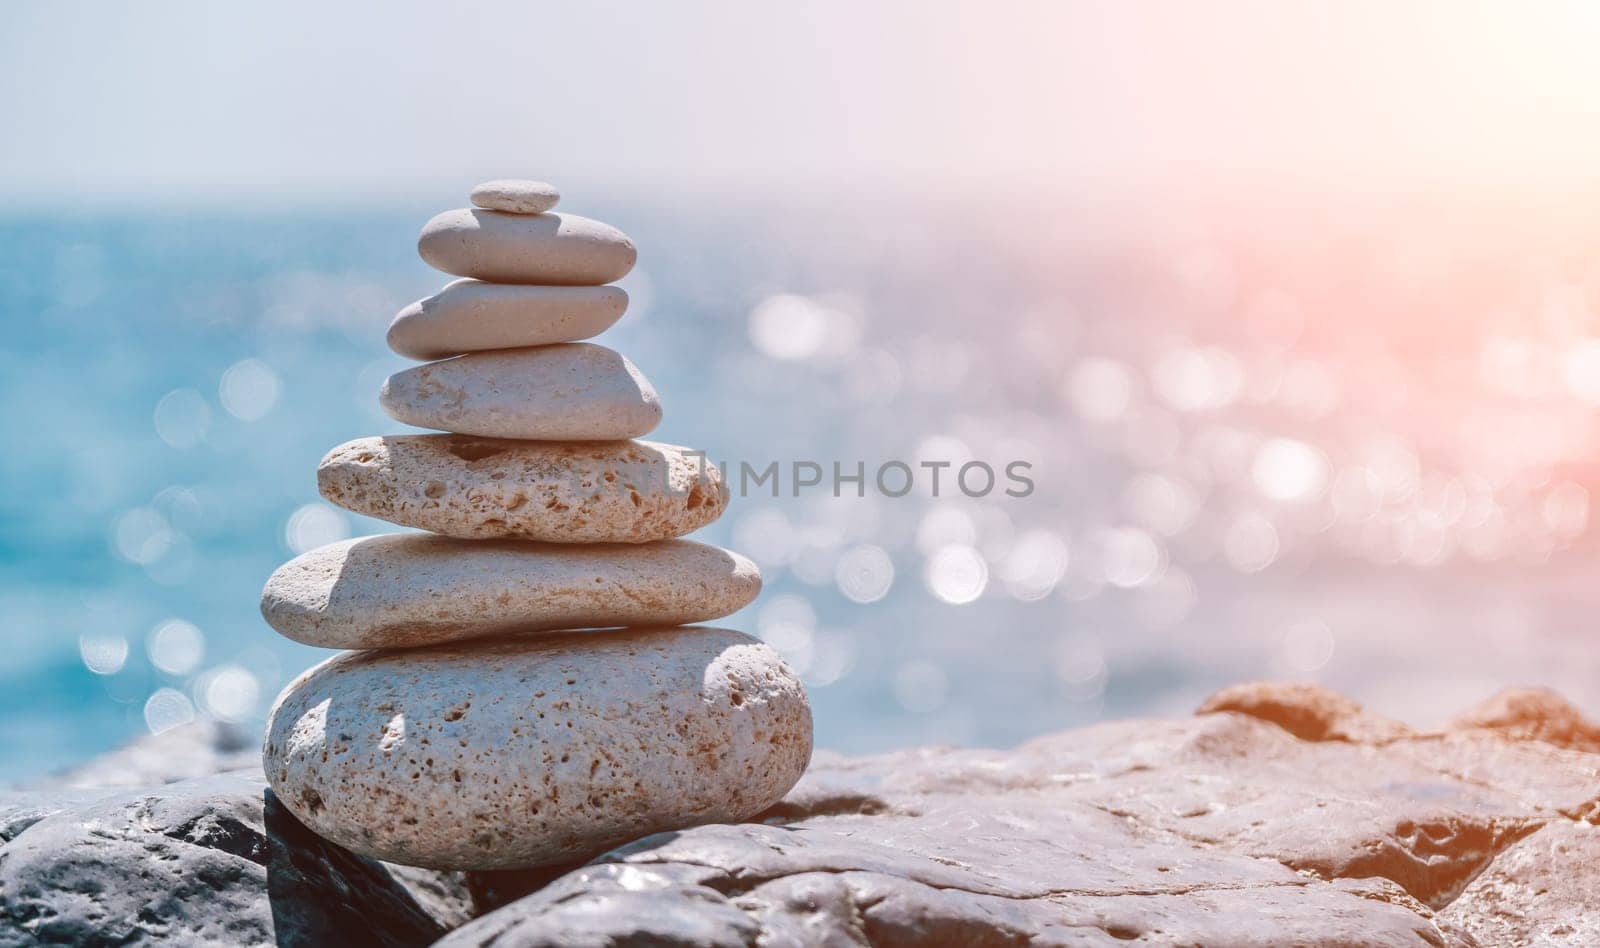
{"points": [[1282, 815], [1539, 891], [210, 861]]}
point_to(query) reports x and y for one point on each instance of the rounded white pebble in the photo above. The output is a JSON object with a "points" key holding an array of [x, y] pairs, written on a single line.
{"points": [[468, 316], [569, 392], [402, 590], [516, 196], [549, 249], [515, 753]]}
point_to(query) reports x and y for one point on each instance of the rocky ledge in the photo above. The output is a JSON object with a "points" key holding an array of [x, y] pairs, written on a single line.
{"points": [[1278, 814]]}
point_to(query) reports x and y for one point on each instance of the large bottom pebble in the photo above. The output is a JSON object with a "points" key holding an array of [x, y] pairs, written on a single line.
{"points": [[524, 752]]}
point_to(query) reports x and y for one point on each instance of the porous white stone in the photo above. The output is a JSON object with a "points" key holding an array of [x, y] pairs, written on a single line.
{"points": [[556, 491], [527, 752], [411, 589], [569, 392]]}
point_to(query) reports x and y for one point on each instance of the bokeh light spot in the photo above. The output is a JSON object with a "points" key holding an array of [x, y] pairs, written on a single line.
{"points": [[176, 647], [956, 574], [182, 418], [864, 574], [103, 653], [315, 525], [249, 389], [166, 709]]}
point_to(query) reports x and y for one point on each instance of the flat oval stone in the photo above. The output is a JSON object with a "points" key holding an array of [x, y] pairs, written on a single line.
{"points": [[558, 249], [516, 196], [468, 316], [568, 392], [515, 753], [555, 491], [410, 589]]}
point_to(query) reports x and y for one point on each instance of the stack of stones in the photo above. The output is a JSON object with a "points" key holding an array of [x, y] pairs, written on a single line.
{"points": [[469, 726]]}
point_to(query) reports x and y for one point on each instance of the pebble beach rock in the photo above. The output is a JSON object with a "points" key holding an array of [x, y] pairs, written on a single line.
{"points": [[571, 392], [1249, 834], [1222, 830], [411, 589], [468, 315], [556, 491], [526, 752], [548, 249], [214, 861], [516, 196]]}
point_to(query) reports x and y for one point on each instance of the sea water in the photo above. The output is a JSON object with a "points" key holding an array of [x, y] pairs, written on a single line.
{"points": [[1345, 452]]}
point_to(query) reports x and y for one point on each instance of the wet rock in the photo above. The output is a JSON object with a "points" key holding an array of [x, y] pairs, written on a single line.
{"points": [[1545, 890], [953, 875], [210, 861], [1224, 829], [1532, 714], [20, 809], [1282, 815], [1309, 712]]}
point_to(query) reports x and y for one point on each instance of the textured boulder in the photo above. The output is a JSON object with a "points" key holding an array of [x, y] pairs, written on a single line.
{"points": [[1532, 714], [1306, 711], [1540, 891], [210, 861], [1285, 814]]}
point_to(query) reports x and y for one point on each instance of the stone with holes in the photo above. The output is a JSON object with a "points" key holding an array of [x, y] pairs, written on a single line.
{"points": [[546, 249], [559, 492], [570, 392], [409, 589], [525, 751]]}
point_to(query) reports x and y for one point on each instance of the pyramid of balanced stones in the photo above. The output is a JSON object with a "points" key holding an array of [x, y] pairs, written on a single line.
{"points": [[522, 687]]}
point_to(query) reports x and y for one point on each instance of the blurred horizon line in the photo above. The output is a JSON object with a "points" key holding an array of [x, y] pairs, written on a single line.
{"points": [[1251, 190]]}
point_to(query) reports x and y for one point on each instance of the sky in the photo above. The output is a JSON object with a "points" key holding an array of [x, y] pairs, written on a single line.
{"points": [[197, 100]]}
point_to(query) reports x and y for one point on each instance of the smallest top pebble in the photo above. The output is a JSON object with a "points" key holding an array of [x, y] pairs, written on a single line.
{"points": [[516, 196]]}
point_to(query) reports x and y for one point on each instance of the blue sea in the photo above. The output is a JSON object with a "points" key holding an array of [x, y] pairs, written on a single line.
{"points": [[1353, 446]]}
